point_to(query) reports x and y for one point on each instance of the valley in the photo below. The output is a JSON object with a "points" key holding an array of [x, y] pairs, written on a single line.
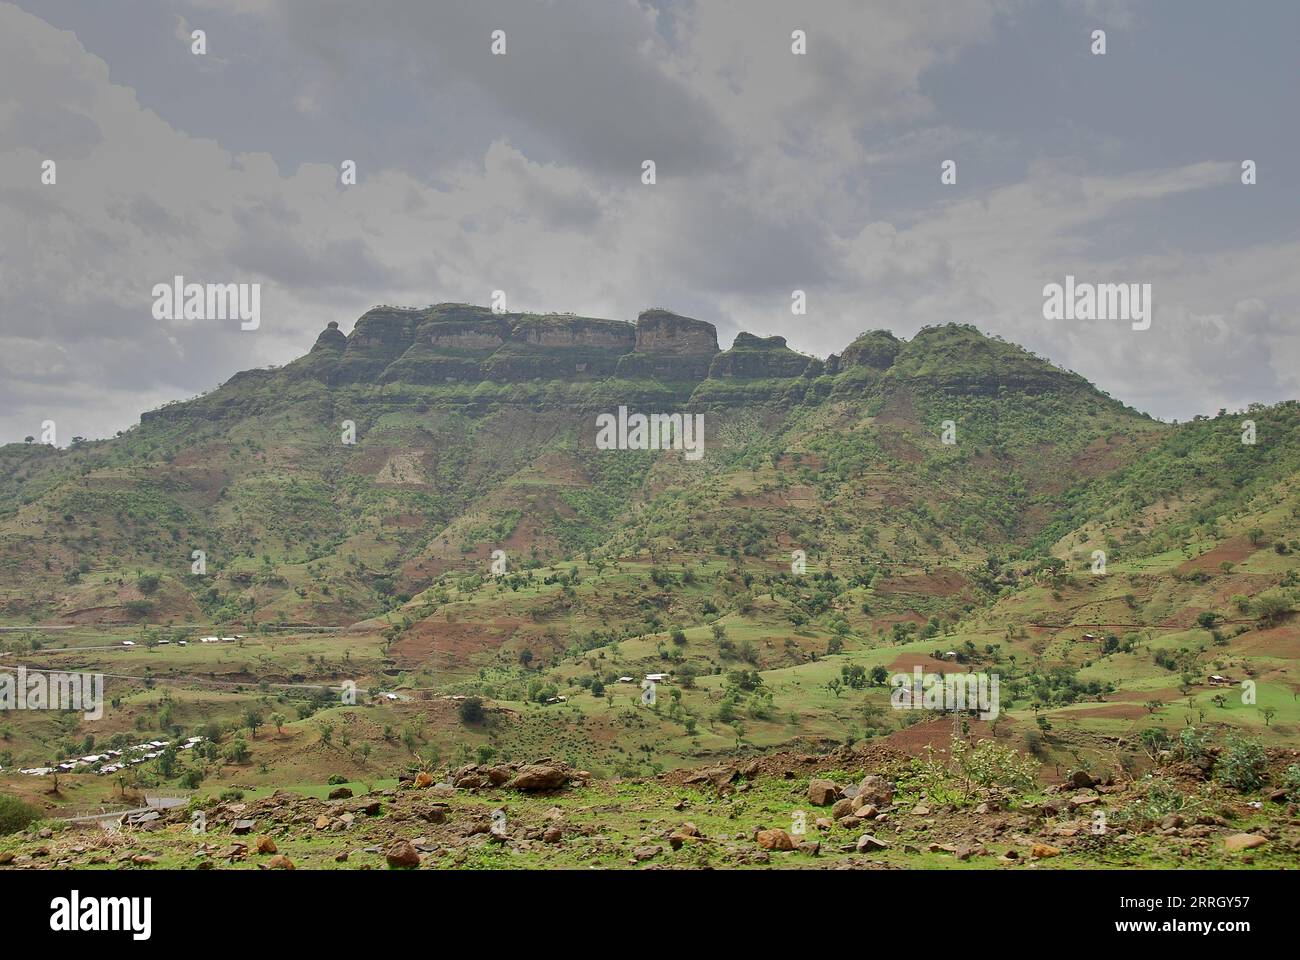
{"points": [[825, 540]]}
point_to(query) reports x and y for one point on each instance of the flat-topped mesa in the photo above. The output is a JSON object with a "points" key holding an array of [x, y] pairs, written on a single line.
{"points": [[559, 346], [761, 358], [450, 344], [670, 347]]}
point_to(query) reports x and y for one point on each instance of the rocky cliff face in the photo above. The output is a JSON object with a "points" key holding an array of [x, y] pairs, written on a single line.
{"points": [[759, 358], [670, 347], [331, 338], [457, 343]]}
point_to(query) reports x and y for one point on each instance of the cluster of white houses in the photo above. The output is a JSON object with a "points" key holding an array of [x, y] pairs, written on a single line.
{"points": [[186, 643], [111, 761]]}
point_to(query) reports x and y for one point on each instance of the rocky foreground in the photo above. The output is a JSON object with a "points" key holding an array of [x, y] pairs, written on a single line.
{"points": [[844, 810]]}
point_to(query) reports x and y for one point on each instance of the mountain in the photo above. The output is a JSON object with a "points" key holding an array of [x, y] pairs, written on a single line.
{"points": [[951, 501], [473, 427]]}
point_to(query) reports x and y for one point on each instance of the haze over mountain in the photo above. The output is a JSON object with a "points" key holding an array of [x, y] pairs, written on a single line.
{"points": [[418, 511]]}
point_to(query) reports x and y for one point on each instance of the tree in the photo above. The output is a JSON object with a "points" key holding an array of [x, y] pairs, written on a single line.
{"points": [[1269, 713], [253, 720], [471, 710], [278, 720], [1272, 606], [835, 686], [237, 752]]}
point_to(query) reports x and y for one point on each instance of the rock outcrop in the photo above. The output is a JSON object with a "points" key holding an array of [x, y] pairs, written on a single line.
{"points": [[673, 358], [758, 358], [876, 349], [670, 347], [331, 338]]}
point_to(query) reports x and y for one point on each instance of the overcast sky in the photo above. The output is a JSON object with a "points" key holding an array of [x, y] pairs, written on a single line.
{"points": [[522, 173]]}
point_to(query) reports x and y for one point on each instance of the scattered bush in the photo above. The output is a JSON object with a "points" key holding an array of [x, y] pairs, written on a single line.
{"points": [[16, 814]]}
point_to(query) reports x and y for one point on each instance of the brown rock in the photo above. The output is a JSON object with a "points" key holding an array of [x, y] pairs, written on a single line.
{"points": [[842, 808], [423, 779], [266, 845], [535, 776], [1243, 841], [1042, 851], [867, 842], [775, 839], [341, 793], [280, 862], [402, 855], [822, 793], [874, 789]]}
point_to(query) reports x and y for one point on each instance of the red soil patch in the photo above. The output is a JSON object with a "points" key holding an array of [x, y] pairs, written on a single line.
{"points": [[799, 497], [1233, 551], [1282, 641], [937, 734], [405, 520], [905, 662], [450, 644], [942, 582], [810, 460]]}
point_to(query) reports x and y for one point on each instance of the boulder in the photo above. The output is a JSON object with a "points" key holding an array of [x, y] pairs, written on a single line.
{"points": [[536, 776], [1243, 841], [867, 843], [402, 855], [775, 839], [842, 808], [874, 789], [823, 793]]}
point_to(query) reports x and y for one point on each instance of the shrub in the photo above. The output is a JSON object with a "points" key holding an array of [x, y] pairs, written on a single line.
{"points": [[1272, 606], [471, 710], [16, 814], [1291, 781], [1242, 764]]}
